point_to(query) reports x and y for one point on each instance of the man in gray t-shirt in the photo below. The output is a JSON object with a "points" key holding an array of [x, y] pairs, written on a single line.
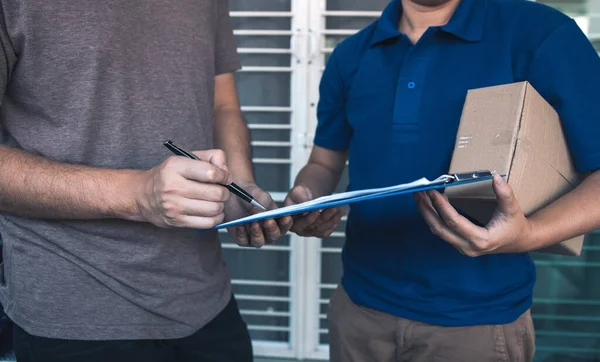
{"points": [[98, 219]]}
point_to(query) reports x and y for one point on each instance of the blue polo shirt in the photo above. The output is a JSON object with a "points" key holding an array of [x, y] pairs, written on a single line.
{"points": [[395, 107]]}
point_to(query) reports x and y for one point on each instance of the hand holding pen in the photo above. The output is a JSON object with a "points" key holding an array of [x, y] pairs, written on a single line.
{"points": [[254, 234], [235, 189], [182, 193]]}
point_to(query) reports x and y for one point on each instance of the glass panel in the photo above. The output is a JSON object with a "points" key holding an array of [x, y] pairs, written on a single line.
{"points": [[263, 41], [566, 309], [265, 60], [262, 23], [345, 22], [356, 5], [260, 5], [268, 89]]}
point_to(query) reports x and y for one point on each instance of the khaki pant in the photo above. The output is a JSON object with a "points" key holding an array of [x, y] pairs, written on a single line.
{"points": [[359, 334]]}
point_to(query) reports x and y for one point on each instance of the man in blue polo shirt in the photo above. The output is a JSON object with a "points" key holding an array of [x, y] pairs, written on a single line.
{"points": [[391, 101]]}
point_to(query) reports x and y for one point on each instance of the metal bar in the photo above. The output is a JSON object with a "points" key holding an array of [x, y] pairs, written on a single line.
{"points": [[331, 250], [264, 51], [265, 313], [261, 14], [266, 109], [340, 32], [268, 328], [271, 144], [353, 14], [254, 32], [265, 283], [262, 298], [270, 126], [327, 286], [264, 248], [272, 161], [266, 69]]}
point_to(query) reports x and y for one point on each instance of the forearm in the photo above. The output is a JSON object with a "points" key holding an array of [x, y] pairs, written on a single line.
{"points": [[36, 187], [576, 213], [232, 136], [319, 179]]}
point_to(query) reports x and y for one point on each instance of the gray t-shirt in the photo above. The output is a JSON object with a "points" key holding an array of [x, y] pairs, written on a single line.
{"points": [[104, 83]]}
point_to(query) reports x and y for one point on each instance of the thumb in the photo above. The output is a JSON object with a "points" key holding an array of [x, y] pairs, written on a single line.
{"points": [[299, 194], [507, 203]]}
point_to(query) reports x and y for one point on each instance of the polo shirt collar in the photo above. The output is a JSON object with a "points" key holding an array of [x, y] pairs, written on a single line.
{"points": [[467, 22]]}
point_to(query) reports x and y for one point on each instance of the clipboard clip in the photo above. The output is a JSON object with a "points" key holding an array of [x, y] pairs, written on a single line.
{"points": [[470, 176]]}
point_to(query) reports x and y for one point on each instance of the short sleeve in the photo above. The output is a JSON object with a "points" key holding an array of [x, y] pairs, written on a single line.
{"points": [[566, 72], [333, 130], [226, 56]]}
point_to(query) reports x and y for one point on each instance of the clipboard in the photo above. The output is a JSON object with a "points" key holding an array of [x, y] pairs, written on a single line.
{"points": [[347, 198]]}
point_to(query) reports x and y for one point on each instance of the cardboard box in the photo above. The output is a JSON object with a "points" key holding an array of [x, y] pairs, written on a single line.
{"points": [[512, 130]]}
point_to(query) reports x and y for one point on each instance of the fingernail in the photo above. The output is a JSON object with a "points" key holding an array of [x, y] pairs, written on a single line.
{"points": [[498, 180]]}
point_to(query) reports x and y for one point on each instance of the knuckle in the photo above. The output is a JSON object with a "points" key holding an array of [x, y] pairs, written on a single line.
{"points": [[215, 220], [451, 223], [211, 174], [215, 208], [271, 226], [481, 245], [436, 229], [220, 208], [167, 188], [208, 209], [471, 253], [223, 194], [174, 220], [170, 209]]}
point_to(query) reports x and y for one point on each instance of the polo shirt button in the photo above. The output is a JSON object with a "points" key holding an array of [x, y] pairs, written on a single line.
{"points": [[411, 85]]}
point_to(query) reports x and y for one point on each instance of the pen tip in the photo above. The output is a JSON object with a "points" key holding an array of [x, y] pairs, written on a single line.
{"points": [[257, 204]]}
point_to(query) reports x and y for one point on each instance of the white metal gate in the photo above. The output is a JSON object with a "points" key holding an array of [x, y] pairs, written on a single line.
{"points": [[268, 282], [283, 289]]}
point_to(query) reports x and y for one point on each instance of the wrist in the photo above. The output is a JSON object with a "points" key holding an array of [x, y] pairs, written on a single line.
{"points": [[532, 236], [131, 190]]}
